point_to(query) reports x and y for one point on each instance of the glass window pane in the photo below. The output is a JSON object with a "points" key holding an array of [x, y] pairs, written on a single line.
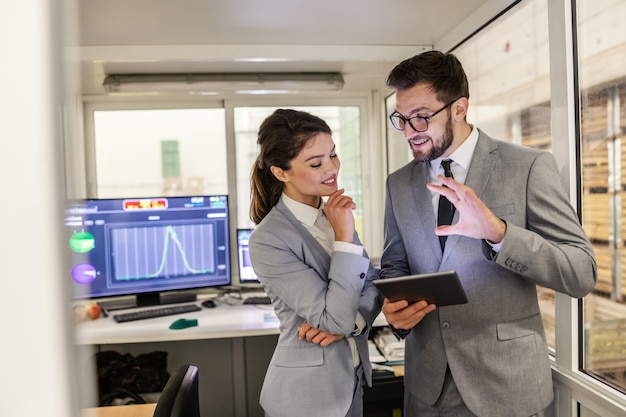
{"points": [[144, 153], [507, 66], [345, 124], [601, 38]]}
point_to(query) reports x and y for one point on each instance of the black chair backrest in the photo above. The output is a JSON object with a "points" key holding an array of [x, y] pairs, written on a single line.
{"points": [[180, 395]]}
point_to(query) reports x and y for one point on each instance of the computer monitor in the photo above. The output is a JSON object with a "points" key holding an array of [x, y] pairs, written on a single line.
{"points": [[148, 248], [246, 273]]}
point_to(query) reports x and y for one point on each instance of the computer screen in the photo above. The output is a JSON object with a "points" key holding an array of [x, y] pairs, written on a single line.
{"points": [[147, 247], [246, 273]]}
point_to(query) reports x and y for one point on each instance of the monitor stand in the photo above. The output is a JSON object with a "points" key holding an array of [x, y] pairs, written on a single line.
{"points": [[148, 299]]}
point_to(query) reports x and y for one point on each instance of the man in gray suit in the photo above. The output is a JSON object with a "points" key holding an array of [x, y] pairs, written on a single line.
{"points": [[513, 228]]}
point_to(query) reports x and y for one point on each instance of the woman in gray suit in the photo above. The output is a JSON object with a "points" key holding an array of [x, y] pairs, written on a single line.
{"points": [[312, 265]]}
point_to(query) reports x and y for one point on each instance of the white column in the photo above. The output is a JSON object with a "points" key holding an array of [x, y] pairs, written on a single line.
{"points": [[34, 307]]}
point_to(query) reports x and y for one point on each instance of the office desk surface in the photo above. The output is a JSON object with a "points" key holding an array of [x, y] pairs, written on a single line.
{"points": [[223, 321], [131, 410]]}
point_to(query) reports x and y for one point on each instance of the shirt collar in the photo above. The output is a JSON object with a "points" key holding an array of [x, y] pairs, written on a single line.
{"points": [[304, 213], [463, 154]]}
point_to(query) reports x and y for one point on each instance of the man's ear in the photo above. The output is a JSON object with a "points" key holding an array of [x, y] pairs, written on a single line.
{"points": [[278, 173], [459, 108]]}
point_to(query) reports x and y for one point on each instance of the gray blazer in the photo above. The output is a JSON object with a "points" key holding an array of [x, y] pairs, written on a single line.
{"points": [[306, 284], [495, 345]]}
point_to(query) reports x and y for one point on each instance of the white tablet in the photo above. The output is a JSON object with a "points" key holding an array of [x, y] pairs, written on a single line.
{"points": [[439, 288]]}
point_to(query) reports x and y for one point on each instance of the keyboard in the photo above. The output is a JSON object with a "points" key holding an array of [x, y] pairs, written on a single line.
{"points": [[257, 300], [156, 312]]}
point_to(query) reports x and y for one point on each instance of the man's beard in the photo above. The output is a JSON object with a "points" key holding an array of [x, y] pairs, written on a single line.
{"points": [[438, 149]]}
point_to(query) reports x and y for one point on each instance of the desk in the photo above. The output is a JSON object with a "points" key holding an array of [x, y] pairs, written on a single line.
{"points": [[223, 321], [232, 346], [385, 395], [132, 410]]}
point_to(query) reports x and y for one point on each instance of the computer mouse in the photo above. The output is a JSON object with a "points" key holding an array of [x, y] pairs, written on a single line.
{"points": [[208, 304], [183, 324]]}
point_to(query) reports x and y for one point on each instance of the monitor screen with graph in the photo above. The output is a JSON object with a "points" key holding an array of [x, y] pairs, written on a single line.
{"points": [[146, 247]]}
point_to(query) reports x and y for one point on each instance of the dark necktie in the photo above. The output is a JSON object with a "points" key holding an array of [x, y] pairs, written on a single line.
{"points": [[446, 209]]}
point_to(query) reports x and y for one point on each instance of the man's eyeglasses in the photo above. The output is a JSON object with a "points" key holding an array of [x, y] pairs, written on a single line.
{"points": [[417, 123]]}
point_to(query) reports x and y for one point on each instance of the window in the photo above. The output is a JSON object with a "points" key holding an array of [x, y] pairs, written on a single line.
{"points": [[507, 66], [158, 152], [601, 39]]}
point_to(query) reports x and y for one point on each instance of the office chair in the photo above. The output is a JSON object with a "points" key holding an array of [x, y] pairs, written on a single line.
{"points": [[180, 395]]}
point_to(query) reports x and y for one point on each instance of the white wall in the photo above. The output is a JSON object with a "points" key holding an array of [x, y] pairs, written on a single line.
{"points": [[34, 354]]}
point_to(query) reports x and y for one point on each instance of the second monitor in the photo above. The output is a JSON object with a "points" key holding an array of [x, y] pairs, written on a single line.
{"points": [[246, 273]]}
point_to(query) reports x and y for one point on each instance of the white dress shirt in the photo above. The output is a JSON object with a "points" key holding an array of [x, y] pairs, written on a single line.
{"points": [[461, 159]]}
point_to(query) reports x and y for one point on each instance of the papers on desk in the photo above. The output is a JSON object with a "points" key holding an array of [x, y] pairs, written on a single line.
{"points": [[391, 348], [375, 355], [386, 352]]}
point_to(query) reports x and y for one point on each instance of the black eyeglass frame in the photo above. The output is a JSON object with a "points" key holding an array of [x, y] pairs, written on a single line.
{"points": [[426, 119]]}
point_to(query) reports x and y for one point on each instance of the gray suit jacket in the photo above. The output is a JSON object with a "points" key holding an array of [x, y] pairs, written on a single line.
{"points": [[495, 345], [306, 284]]}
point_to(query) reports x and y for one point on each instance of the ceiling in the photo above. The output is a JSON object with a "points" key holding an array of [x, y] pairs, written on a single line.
{"points": [[362, 39]]}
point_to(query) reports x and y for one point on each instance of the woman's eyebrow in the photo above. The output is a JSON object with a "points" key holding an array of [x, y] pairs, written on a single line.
{"points": [[319, 156]]}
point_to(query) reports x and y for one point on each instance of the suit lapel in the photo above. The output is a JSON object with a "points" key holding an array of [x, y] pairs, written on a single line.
{"points": [[482, 166]]}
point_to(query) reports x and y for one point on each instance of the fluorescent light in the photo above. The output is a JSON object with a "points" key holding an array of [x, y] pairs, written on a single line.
{"points": [[218, 83]]}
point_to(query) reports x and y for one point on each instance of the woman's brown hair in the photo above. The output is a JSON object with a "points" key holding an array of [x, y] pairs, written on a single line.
{"points": [[282, 136]]}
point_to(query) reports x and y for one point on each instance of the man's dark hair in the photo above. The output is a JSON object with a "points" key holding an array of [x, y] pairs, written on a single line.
{"points": [[442, 72]]}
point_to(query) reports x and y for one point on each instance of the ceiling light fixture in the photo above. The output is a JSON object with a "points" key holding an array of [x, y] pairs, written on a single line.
{"points": [[219, 83]]}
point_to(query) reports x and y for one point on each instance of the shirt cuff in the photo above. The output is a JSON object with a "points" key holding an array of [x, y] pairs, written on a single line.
{"points": [[399, 333], [348, 247], [490, 249], [494, 246], [359, 324]]}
